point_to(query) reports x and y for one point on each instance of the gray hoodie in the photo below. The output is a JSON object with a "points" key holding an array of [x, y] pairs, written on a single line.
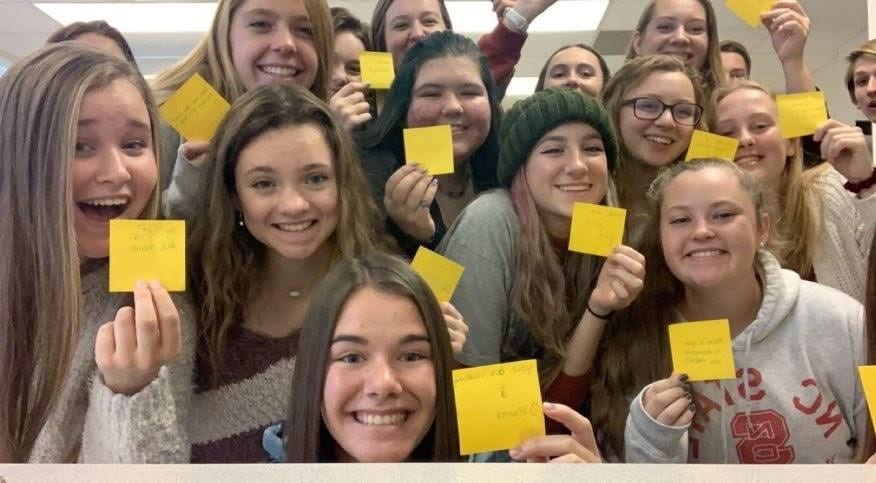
{"points": [[802, 401]]}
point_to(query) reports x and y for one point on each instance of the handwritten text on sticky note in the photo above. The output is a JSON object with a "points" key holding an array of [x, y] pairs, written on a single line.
{"points": [[497, 406], [440, 273], [195, 109], [431, 147], [707, 145], [596, 229], [800, 114], [377, 69], [702, 350], [147, 250], [868, 380], [750, 10]]}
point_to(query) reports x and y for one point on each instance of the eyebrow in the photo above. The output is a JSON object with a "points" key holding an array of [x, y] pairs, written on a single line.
{"points": [[272, 14], [716, 204], [355, 339], [435, 85]]}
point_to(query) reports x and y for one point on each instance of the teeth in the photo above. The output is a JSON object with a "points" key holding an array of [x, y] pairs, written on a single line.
{"points": [[659, 139], [705, 253], [576, 188], [381, 420], [278, 70], [293, 227], [106, 202]]}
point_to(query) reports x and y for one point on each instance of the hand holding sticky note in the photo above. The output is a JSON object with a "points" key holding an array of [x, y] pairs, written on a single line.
{"points": [[702, 350], [868, 381], [147, 250], [707, 145], [440, 273], [377, 69], [195, 109], [497, 406], [596, 229], [801, 114], [750, 10], [430, 147]]}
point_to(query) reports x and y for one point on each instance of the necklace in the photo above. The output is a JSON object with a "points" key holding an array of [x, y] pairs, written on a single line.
{"points": [[462, 175]]}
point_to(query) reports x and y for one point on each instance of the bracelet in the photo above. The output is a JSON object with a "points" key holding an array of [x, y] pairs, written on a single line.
{"points": [[517, 21], [861, 185], [599, 316]]}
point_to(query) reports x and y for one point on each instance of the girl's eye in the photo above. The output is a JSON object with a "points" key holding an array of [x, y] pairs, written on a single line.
{"points": [[553, 151], [400, 26], [83, 149], [430, 22], [305, 31], [679, 220], [696, 29], [664, 27], [262, 184], [350, 358], [260, 25], [137, 145], [725, 214], [413, 357], [594, 149], [861, 81], [316, 179], [430, 94]]}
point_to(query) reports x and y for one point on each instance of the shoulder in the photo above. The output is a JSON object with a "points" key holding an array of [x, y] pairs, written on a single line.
{"points": [[490, 210], [827, 302], [488, 226]]}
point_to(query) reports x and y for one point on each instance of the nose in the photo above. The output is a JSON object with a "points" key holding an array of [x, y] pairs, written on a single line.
{"points": [[702, 229], [292, 202], [871, 86], [665, 118], [577, 164], [745, 138], [679, 35], [382, 380], [418, 31], [452, 106], [113, 168], [283, 41], [573, 82]]}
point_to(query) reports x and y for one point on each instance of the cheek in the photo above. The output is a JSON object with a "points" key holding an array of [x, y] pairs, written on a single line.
{"points": [[421, 114]]}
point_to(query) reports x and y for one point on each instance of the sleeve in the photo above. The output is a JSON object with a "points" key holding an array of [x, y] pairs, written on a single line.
{"points": [[649, 441], [184, 184], [481, 241], [858, 343], [150, 426], [502, 48]]}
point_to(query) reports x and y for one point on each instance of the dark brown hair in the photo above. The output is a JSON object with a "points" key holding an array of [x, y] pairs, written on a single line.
{"points": [[606, 73], [306, 438], [99, 27], [344, 21], [735, 47]]}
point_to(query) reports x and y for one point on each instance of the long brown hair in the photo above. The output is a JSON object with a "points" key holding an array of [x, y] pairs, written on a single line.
{"points": [[635, 347], [227, 259], [378, 22], [211, 57], [795, 232], [307, 440], [40, 97], [713, 69]]}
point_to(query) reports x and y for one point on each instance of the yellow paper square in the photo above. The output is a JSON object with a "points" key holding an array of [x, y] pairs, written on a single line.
{"points": [[800, 114], [750, 10], [868, 380], [147, 250], [431, 147], [702, 350], [377, 69], [195, 109], [596, 229], [707, 145], [440, 273], [497, 406]]}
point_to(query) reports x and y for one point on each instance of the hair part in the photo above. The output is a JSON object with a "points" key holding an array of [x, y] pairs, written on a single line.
{"points": [[306, 438], [603, 67], [39, 259]]}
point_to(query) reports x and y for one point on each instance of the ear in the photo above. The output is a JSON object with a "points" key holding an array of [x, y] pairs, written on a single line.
{"points": [[637, 42], [793, 146], [764, 229]]}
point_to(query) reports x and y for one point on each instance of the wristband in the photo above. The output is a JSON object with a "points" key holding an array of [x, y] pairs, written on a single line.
{"points": [[861, 185], [599, 316], [518, 22]]}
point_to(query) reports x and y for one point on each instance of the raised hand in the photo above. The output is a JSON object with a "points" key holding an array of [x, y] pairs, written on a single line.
{"points": [[349, 105], [670, 401], [845, 148], [529, 9], [456, 327], [788, 25], [620, 280], [195, 151], [131, 349], [578, 447], [407, 198]]}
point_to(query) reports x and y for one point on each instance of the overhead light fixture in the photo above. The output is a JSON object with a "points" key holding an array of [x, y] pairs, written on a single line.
{"points": [[136, 17], [467, 16]]}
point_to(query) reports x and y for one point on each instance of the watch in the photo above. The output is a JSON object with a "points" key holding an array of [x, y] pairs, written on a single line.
{"points": [[518, 22], [861, 185]]}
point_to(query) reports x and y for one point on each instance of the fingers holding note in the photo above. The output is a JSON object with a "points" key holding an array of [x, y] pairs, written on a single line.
{"points": [[577, 447]]}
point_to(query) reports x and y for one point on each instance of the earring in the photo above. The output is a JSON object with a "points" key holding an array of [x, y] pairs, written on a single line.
{"points": [[240, 219]]}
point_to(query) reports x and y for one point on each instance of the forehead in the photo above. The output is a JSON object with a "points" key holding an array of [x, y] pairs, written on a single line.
{"points": [[412, 8], [288, 148], [665, 85], [574, 55], [118, 98], [732, 58], [704, 187], [746, 101], [865, 64], [573, 130], [347, 43], [679, 9], [449, 70], [283, 8], [369, 313]]}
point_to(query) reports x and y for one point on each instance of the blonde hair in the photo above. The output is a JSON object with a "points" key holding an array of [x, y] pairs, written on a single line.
{"points": [[40, 97], [868, 50], [713, 70], [211, 57], [229, 259], [795, 232]]}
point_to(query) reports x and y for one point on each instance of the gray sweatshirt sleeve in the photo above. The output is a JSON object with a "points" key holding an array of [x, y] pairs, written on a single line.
{"points": [[150, 426], [649, 441], [177, 199]]}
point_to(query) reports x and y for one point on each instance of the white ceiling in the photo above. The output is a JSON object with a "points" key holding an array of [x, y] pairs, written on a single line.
{"points": [[838, 26]]}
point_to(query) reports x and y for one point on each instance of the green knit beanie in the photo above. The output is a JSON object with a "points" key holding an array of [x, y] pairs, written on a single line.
{"points": [[529, 120]]}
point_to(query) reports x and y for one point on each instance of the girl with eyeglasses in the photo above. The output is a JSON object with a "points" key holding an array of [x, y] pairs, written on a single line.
{"points": [[656, 102]]}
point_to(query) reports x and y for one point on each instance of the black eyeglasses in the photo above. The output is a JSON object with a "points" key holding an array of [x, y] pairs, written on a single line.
{"points": [[649, 109]]}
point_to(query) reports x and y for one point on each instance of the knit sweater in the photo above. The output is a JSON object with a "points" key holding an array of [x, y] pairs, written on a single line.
{"points": [[147, 427], [796, 397], [251, 393]]}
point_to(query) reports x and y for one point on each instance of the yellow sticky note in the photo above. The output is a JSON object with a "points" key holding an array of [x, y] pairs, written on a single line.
{"points": [[377, 69], [497, 406], [195, 109], [147, 250], [596, 229], [750, 10], [431, 147], [702, 350], [868, 380], [800, 114], [440, 273], [707, 145]]}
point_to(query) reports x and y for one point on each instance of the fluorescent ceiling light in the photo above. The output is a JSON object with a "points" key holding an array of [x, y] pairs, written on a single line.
{"points": [[563, 16], [468, 16], [136, 17], [521, 87]]}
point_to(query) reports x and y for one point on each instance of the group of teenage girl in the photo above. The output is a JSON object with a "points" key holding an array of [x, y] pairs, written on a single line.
{"points": [[305, 336]]}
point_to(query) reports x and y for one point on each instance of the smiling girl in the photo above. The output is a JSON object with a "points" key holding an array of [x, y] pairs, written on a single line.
{"points": [[575, 66]]}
